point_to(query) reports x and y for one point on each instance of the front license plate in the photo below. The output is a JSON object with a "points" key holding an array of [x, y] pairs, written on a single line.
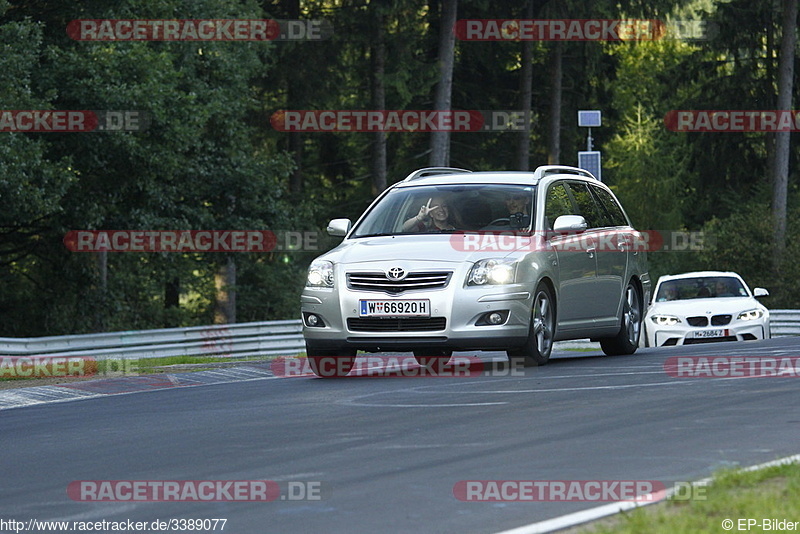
{"points": [[709, 333], [394, 308]]}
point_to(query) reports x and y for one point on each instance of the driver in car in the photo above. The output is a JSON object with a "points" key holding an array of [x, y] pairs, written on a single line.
{"points": [[722, 289], [518, 206]]}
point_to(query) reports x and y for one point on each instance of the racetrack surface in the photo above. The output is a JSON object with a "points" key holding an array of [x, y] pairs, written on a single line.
{"points": [[387, 452]]}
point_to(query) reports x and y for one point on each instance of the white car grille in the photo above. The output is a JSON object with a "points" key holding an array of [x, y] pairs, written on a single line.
{"points": [[413, 281]]}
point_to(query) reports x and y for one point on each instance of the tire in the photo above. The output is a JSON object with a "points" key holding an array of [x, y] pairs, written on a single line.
{"points": [[539, 345], [435, 357], [627, 339], [331, 363]]}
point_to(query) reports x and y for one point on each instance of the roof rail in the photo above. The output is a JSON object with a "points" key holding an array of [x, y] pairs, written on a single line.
{"points": [[546, 170], [432, 171]]}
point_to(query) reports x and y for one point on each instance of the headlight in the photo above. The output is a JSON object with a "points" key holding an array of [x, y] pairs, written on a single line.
{"points": [[494, 271], [750, 315], [320, 274], [665, 320]]}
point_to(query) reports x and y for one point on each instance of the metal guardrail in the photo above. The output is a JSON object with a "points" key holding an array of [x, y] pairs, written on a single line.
{"points": [[268, 338], [784, 323]]}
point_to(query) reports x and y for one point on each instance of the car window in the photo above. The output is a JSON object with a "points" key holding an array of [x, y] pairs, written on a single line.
{"points": [[557, 204], [588, 206], [454, 208], [610, 206]]}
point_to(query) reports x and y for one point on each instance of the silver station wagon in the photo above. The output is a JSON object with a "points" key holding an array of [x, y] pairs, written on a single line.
{"points": [[452, 260]]}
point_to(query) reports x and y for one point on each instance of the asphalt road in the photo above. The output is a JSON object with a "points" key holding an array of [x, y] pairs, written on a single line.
{"points": [[386, 453]]}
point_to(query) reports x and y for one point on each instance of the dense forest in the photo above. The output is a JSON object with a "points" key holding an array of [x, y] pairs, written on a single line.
{"points": [[211, 158]]}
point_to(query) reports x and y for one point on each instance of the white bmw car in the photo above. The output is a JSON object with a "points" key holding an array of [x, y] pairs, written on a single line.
{"points": [[704, 307]]}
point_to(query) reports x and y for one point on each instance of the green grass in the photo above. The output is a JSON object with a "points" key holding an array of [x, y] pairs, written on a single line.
{"points": [[771, 493]]}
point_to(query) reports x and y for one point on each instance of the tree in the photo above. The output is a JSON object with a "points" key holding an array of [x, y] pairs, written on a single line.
{"points": [[440, 140], [32, 185], [378, 63], [525, 94], [780, 168], [195, 167]]}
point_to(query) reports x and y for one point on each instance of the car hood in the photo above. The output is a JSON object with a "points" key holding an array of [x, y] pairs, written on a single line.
{"points": [[441, 247], [703, 306]]}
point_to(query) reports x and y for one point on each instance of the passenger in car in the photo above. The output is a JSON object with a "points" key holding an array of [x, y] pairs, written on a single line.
{"points": [[670, 293], [434, 216]]}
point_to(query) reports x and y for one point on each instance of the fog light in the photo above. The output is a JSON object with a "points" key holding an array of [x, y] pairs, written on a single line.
{"points": [[313, 320], [495, 318], [492, 318]]}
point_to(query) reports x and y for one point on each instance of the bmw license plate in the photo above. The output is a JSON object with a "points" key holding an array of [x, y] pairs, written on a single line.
{"points": [[394, 308], [709, 333]]}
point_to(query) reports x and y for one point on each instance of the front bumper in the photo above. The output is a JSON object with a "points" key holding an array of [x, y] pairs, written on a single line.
{"points": [[681, 334], [455, 313]]}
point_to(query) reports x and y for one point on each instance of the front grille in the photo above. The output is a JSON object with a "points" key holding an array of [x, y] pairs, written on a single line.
{"points": [[413, 281], [396, 324], [721, 320], [700, 340], [697, 321]]}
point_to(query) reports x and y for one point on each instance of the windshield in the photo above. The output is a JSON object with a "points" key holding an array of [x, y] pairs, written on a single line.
{"points": [[698, 288], [449, 208]]}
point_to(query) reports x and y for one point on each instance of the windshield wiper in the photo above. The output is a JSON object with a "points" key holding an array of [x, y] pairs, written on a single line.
{"points": [[381, 234], [426, 232]]}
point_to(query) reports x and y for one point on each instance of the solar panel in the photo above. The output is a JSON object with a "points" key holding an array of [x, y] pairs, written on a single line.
{"points": [[590, 161]]}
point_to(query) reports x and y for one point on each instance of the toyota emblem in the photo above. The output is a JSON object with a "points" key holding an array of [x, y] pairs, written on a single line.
{"points": [[396, 273]]}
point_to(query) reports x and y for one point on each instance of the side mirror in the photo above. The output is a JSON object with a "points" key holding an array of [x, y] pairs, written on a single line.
{"points": [[569, 224], [339, 227], [760, 292]]}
